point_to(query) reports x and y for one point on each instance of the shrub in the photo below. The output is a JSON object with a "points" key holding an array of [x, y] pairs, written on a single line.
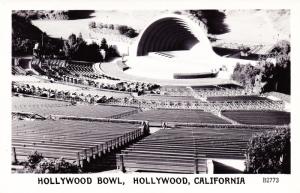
{"points": [[277, 75], [36, 163], [56, 166], [92, 25], [127, 31], [269, 152], [247, 75], [33, 159]]}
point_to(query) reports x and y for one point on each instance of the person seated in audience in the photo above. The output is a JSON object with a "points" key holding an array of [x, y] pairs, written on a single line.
{"points": [[163, 125]]}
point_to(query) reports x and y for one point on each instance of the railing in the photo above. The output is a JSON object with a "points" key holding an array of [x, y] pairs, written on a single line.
{"points": [[118, 116], [206, 106]]}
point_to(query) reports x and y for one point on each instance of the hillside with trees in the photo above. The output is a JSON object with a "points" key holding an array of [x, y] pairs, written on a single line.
{"points": [[269, 152], [75, 48], [53, 14], [213, 19], [272, 74], [114, 28], [25, 35]]}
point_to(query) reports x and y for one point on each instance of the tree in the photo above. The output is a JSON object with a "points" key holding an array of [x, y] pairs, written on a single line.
{"points": [[131, 33], [72, 40], [111, 26], [272, 74], [71, 46], [269, 152], [33, 159], [127, 31], [24, 36], [246, 74], [122, 29], [111, 52], [76, 48], [213, 19], [103, 45], [80, 38], [277, 75], [92, 25], [92, 53], [100, 25]]}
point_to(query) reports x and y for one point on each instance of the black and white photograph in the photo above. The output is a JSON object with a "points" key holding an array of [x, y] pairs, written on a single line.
{"points": [[177, 91], [194, 96]]}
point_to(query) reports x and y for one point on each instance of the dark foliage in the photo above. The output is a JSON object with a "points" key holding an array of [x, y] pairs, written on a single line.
{"points": [[54, 14], [76, 48], [214, 20], [104, 45], [278, 76], [79, 14], [127, 31], [56, 166], [245, 74], [25, 36], [273, 73], [122, 29], [36, 163], [269, 152], [33, 159]]}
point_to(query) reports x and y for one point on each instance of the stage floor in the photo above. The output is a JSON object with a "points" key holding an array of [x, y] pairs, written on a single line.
{"points": [[113, 70], [164, 65], [160, 67]]}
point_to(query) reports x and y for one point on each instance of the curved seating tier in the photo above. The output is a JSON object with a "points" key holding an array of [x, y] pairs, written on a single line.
{"points": [[236, 98], [17, 70], [166, 98], [176, 91], [74, 140], [81, 68], [173, 115], [225, 90], [186, 149], [47, 107], [258, 117]]}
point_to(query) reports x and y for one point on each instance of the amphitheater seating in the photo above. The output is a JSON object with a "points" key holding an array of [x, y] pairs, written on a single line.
{"points": [[47, 107], [258, 117], [85, 69], [224, 90], [176, 150], [176, 91], [38, 70], [166, 98], [236, 98], [81, 68], [28, 103], [279, 96], [168, 115], [35, 62], [60, 91], [230, 86], [14, 71], [17, 70], [72, 139], [55, 62]]}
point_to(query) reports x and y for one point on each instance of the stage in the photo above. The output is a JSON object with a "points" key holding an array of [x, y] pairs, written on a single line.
{"points": [[160, 68], [163, 65]]}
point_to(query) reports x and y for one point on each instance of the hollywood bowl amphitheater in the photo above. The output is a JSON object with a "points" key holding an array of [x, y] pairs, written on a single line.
{"points": [[168, 106]]}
